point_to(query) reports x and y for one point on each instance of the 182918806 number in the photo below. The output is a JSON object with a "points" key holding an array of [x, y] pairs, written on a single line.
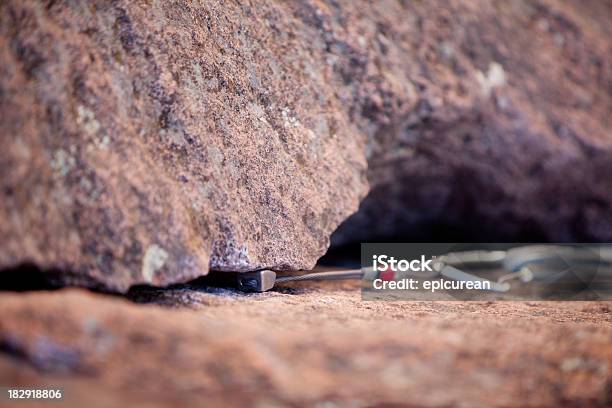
{"points": [[35, 394]]}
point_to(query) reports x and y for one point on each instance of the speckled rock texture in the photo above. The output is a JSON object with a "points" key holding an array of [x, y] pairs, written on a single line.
{"points": [[486, 120], [306, 345], [146, 142]]}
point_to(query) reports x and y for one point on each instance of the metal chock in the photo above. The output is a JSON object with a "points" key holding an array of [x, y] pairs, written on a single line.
{"points": [[258, 281]]}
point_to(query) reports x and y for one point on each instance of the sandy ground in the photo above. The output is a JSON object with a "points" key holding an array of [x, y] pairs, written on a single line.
{"points": [[313, 344]]}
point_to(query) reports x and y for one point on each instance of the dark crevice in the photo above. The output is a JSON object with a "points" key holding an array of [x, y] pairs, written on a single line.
{"points": [[26, 277], [347, 254], [29, 277]]}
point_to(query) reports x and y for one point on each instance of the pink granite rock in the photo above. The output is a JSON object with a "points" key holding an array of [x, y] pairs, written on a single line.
{"points": [[148, 143], [486, 121]]}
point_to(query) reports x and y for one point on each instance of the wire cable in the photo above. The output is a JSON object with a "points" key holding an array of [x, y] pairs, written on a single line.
{"points": [[332, 275]]}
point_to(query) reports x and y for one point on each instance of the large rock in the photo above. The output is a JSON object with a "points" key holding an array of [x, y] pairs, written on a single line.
{"points": [[487, 120], [145, 143], [326, 348]]}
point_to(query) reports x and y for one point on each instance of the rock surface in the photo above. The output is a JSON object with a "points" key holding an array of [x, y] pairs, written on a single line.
{"points": [[146, 143], [487, 120], [308, 345], [143, 143]]}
